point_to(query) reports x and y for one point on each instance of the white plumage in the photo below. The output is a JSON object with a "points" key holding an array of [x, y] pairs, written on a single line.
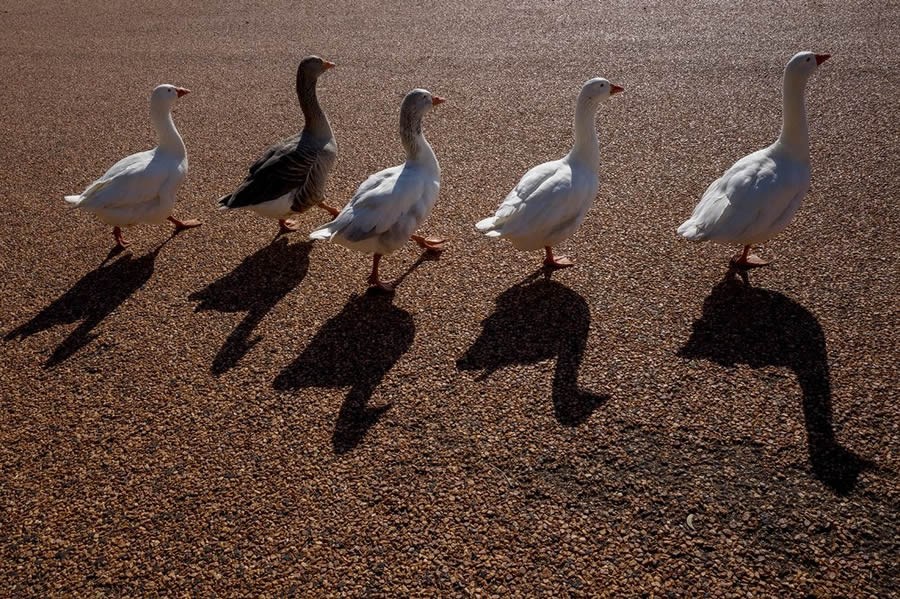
{"points": [[386, 210], [141, 188], [390, 205], [757, 197], [754, 200], [138, 189], [549, 203], [546, 206]]}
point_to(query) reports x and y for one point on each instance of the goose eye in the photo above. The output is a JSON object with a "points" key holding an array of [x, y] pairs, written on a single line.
{"points": [[807, 59]]}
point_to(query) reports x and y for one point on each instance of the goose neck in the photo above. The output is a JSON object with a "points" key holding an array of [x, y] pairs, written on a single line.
{"points": [[315, 120], [586, 147], [169, 138], [794, 136], [417, 148]]}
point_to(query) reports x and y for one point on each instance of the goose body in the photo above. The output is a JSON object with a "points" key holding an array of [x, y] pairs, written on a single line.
{"points": [[752, 202], [386, 210], [550, 201], [137, 189], [141, 188], [290, 176], [390, 205], [546, 207], [757, 197]]}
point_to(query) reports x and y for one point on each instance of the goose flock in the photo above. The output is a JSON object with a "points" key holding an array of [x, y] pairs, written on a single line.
{"points": [[750, 203]]}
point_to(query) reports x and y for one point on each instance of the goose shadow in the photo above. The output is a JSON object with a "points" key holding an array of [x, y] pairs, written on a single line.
{"points": [[356, 348], [532, 322], [94, 297], [741, 324], [255, 286]]}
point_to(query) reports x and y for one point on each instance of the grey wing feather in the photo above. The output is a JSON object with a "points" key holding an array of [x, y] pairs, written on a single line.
{"points": [[298, 165], [282, 147]]}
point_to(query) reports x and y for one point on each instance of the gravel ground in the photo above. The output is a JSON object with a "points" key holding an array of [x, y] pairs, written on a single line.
{"points": [[218, 413]]}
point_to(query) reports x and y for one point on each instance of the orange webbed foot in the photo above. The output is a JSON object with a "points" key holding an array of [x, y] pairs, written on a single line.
{"points": [[557, 262], [287, 226], [181, 225], [433, 244]]}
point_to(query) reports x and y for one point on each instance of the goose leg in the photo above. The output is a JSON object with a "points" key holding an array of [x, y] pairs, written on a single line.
{"points": [[748, 260], [120, 241], [374, 280], [181, 225], [287, 226], [435, 244], [329, 209], [558, 262]]}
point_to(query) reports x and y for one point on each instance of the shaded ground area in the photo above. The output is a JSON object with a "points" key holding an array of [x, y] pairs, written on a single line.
{"points": [[757, 327], [221, 413], [356, 348], [535, 322], [254, 287]]}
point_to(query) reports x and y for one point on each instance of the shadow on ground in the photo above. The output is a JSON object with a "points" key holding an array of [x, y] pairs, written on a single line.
{"points": [[741, 324], [355, 349], [255, 286], [90, 300], [532, 322]]}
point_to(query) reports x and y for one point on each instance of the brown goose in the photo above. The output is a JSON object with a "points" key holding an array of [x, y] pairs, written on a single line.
{"points": [[290, 177]]}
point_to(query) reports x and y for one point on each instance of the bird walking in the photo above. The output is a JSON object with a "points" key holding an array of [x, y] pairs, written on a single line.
{"points": [[390, 205], [757, 197], [141, 188], [290, 176], [550, 201]]}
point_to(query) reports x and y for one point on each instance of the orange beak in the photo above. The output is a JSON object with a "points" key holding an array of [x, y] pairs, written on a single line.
{"points": [[614, 89], [181, 91], [820, 58], [435, 100], [329, 65]]}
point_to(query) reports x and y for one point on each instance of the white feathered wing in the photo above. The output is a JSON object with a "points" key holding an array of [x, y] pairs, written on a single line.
{"points": [[137, 189], [386, 209], [546, 206], [751, 202]]}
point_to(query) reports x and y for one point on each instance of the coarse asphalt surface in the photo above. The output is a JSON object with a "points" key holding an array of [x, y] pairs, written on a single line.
{"points": [[223, 413]]}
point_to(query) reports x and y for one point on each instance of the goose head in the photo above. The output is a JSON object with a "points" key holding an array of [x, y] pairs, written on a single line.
{"points": [[311, 67], [164, 96], [416, 104], [597, 90], [803, 64]]}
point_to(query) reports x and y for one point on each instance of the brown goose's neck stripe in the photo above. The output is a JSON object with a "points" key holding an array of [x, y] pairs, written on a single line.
{"points": [[316, 121]]}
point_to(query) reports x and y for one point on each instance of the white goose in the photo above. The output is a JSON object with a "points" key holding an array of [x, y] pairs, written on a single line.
{"points": [[141, 188], [757, 197], [550, 201], [391, 204]]}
